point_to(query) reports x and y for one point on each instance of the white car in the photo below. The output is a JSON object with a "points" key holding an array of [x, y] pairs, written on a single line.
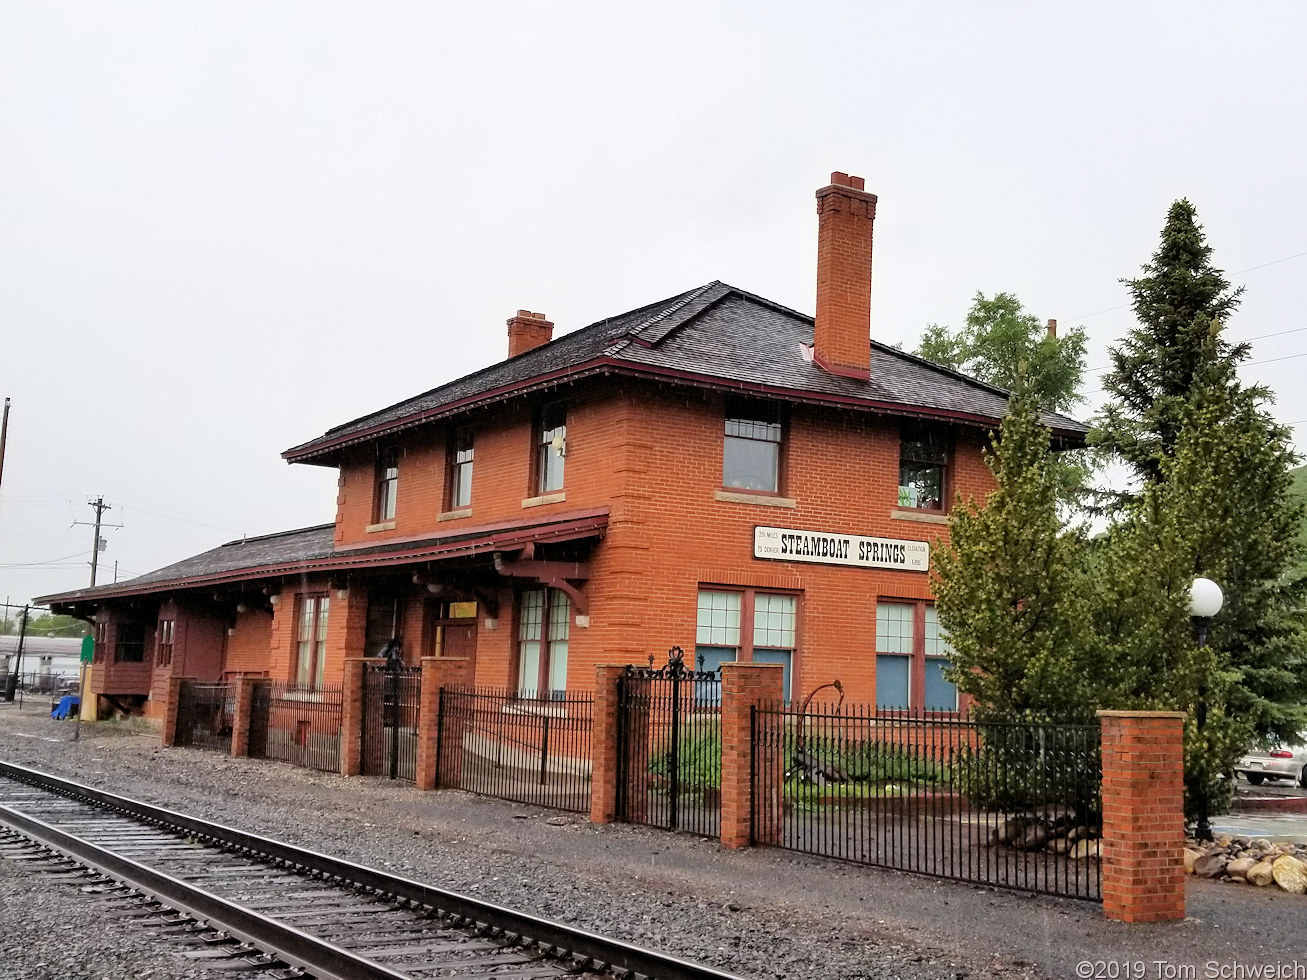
{"points": [[1280, 762]]}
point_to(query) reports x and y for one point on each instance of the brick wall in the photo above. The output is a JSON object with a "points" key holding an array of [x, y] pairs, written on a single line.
{"points": [[1142, 843]]}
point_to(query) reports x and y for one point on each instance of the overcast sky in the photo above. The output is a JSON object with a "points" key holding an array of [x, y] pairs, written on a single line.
{"points": [[228, 226]]}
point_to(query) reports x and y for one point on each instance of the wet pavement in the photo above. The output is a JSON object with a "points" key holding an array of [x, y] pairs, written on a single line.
{"points": [[1274, 811]]}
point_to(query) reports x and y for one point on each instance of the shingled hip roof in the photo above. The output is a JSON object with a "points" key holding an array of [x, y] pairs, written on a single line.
{"points": [[715, 335]]}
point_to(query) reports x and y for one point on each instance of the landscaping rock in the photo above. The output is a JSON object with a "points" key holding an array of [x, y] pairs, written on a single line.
{"points": [[1085, 848], [1210, 864], [1239, 867], [1290, 874], [1260, 874], [1190, 856]]}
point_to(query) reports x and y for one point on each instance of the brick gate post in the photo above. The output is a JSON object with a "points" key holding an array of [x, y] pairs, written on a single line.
{"points": [[745, 686], [1142, 847], [351, 719], [168, 737], [240, 722], [433, 771], [603, 745]]}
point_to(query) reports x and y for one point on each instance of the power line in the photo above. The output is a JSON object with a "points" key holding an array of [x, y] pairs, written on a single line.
{"points": [[1239, 272]]}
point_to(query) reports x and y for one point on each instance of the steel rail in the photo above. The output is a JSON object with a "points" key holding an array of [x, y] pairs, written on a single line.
{"points": [[319, 957], [615, 954]]}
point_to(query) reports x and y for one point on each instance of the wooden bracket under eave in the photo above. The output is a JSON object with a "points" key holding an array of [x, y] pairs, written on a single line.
{"points": [[554, 574]]}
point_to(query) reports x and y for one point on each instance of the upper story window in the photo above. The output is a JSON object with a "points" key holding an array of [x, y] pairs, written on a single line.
{"points": [[460, 468], [387, 484], [923, 465], [751, 449], [551, 448], [130, 648]]}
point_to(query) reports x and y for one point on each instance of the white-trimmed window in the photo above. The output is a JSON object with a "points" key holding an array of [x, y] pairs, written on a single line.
{"points": [[912, 653], [543, 625], [387, 495], [748, 626], [460, 468], [311, 640], [551, 448]]}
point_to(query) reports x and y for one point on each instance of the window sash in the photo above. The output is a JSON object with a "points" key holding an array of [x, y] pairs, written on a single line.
{"points": [[387, 484], [550, 462], [544, 626], [912, 654], [311, 641], [460, 469]]}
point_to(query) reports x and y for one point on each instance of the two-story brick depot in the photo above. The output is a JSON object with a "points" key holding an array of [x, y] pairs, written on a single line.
{"points": [[713, 471]]}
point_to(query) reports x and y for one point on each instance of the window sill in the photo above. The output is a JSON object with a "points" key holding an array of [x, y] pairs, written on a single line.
{"points": [[919, 516], [764, 500], [383, 526], [548, 498], [453, 515]]}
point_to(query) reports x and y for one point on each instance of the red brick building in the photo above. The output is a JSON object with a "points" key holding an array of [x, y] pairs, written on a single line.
{"points": [[713, 470]]}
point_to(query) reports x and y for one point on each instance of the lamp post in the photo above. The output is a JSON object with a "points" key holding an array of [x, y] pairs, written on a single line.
{"points": [[1205, 599]]}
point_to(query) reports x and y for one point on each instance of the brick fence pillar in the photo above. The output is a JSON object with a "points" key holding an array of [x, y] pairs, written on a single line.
{"points": [[745, 686], [1142, 846], [351, 719], [240, 721], [432, 769], [603, 745], [171, 697]]}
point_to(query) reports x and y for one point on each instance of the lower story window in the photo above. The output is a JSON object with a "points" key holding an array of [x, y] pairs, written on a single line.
{"points": [[163, 656], [311, 641], [749, 626], [912, 655], [543, 621]]}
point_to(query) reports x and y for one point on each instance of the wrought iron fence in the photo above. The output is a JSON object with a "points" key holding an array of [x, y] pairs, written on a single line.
{"points": [[669, 748], [1011, 804], [205, 711], [518, 747], [391, 697], [297, 725]]}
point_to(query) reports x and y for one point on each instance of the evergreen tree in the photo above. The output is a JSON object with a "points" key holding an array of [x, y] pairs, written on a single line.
{"points": [[1002, 341], [1222, 508], [1011, 591], [1175, 301]]}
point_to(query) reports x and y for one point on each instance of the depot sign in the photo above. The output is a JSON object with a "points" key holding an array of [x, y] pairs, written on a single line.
{"points": [[826, 548]]}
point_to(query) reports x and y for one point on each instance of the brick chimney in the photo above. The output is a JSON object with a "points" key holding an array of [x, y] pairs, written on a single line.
{"points": [[842, 335], [527, 331], [1052, 328]]}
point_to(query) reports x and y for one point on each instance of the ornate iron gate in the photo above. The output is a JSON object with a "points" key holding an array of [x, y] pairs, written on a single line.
{"points": [[390, 721], [669, 747]]}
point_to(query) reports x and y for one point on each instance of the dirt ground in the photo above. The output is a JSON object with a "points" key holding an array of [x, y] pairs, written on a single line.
{"points": [[918, 927]]}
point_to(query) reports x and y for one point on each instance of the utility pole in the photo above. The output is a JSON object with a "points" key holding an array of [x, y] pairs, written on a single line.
{"points": [[4, 435], [98, 543], [11, 681]]}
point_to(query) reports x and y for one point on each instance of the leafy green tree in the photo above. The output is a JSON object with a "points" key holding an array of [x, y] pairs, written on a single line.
{"points": [[1012, 591], [1001, 341]]}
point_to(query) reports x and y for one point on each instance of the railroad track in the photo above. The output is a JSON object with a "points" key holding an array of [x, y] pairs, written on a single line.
{"points": [[251, 903]]}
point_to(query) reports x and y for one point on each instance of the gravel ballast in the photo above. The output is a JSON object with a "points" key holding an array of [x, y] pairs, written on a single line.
{"points": [[760, 913]]}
